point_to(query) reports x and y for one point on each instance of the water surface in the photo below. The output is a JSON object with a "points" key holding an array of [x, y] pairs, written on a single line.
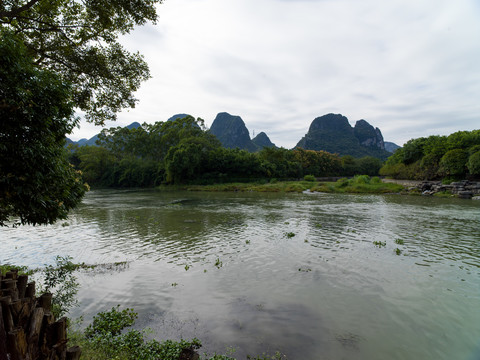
{"points": [[324, 292]]}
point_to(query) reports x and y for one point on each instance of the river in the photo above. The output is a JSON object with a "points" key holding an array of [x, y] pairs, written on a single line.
{"points": [[295, 273]]}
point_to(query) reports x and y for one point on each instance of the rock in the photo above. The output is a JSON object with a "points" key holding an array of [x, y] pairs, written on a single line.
{"points": [[262, 140], [232, 132], [333, 133], [390, 146], [465, 194]]}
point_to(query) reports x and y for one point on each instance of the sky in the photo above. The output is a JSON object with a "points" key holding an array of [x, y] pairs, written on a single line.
{"points": [[408, 67]]}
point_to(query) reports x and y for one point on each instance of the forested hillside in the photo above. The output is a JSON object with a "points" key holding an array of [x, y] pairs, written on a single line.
{"points": [[456, 156], [183, 151]]}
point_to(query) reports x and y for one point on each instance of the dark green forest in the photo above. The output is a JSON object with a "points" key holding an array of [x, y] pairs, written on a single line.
{"points": [[452, 157], [184, 152]]}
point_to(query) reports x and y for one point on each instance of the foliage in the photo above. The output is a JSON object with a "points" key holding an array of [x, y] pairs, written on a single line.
{"points": [[181, 151], [309, 178], [37, 184], [78, 41], [453, 163], [111, 322], [474, 163], [22, 270], [62, 283], [110, 336], [359, 184], [434, 157]]}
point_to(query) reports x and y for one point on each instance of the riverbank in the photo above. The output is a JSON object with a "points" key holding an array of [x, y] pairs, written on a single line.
{"points": [[360, 184], [464, 189]]}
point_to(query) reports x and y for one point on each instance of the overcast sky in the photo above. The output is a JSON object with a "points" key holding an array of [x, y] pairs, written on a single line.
{"points": [[408, 67]]}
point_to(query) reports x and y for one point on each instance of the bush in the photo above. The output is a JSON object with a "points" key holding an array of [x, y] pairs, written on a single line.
{"points": [[453, 163], [309, 178], [474, 163], [63, 284]]}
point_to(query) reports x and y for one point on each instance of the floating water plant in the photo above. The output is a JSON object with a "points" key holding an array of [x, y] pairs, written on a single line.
{"points": [[379, 243], [398, 251], [174, 284], [289, 235], [218, 263], [187, 267], [304, 270], [247, 241], [399, 241], [305, 240]]}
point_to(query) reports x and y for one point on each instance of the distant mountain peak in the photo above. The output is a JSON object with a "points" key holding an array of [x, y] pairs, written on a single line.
{"points": [[333, 133], [262, 140]]}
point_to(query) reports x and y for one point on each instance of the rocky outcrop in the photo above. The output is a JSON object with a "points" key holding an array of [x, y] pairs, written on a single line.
{"points": [[333, 133], [391, 147], [177, 116], [231, 131], [462, 189], [262, 140], [367, 135]]}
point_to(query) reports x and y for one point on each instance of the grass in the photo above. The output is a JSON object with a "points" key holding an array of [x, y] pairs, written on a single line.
{"points": [[360, 184]]}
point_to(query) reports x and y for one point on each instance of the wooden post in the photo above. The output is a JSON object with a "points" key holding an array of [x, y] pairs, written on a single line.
{"points": [[7, 315], [30, 291], [3, 337], [17, 344], [74, 353], [22, 285], [45, 301]]}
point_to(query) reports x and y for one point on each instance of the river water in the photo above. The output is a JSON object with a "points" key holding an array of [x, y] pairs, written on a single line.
{"points": [[295, 273]]}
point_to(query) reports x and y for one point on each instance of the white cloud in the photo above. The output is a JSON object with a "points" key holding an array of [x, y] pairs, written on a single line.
{"points": [[410, 68]]}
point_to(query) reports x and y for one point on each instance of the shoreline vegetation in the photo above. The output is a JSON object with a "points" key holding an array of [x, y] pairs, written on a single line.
{"points": [[359, 184]]}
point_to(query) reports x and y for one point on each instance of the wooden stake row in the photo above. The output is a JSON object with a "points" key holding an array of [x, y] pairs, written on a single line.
{"points": [[28, 330]]}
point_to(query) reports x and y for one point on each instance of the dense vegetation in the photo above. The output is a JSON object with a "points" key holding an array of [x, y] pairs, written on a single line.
{"points": [[56, 57], [456, 156], [37, 184], [182, 151]]}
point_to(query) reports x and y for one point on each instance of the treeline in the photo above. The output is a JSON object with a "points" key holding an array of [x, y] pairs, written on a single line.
{"points": [[183, 151], [454, 157]]}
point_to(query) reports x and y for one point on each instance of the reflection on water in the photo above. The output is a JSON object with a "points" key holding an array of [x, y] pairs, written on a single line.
{"points": [[327, 292]]}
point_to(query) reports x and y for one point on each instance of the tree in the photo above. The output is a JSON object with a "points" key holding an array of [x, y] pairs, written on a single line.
{"points": [[78, 41], [474, 163], [37, 183], [453, 163]]}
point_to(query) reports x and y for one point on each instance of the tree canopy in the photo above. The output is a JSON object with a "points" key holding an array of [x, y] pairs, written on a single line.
{"points": [[454, 156], [79, 41], [37, 183], [58, 56]]}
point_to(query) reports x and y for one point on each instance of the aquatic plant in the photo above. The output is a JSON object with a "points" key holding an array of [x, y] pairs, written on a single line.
{"points": [[187, 267], [289, 235], [379, 243], [399, 241], [247, 241], [398, 251], [218, 263]]}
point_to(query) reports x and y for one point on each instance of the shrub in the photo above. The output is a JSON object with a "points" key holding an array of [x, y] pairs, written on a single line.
{"points": [[474, 163], [453, 163], [309, 178]]}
